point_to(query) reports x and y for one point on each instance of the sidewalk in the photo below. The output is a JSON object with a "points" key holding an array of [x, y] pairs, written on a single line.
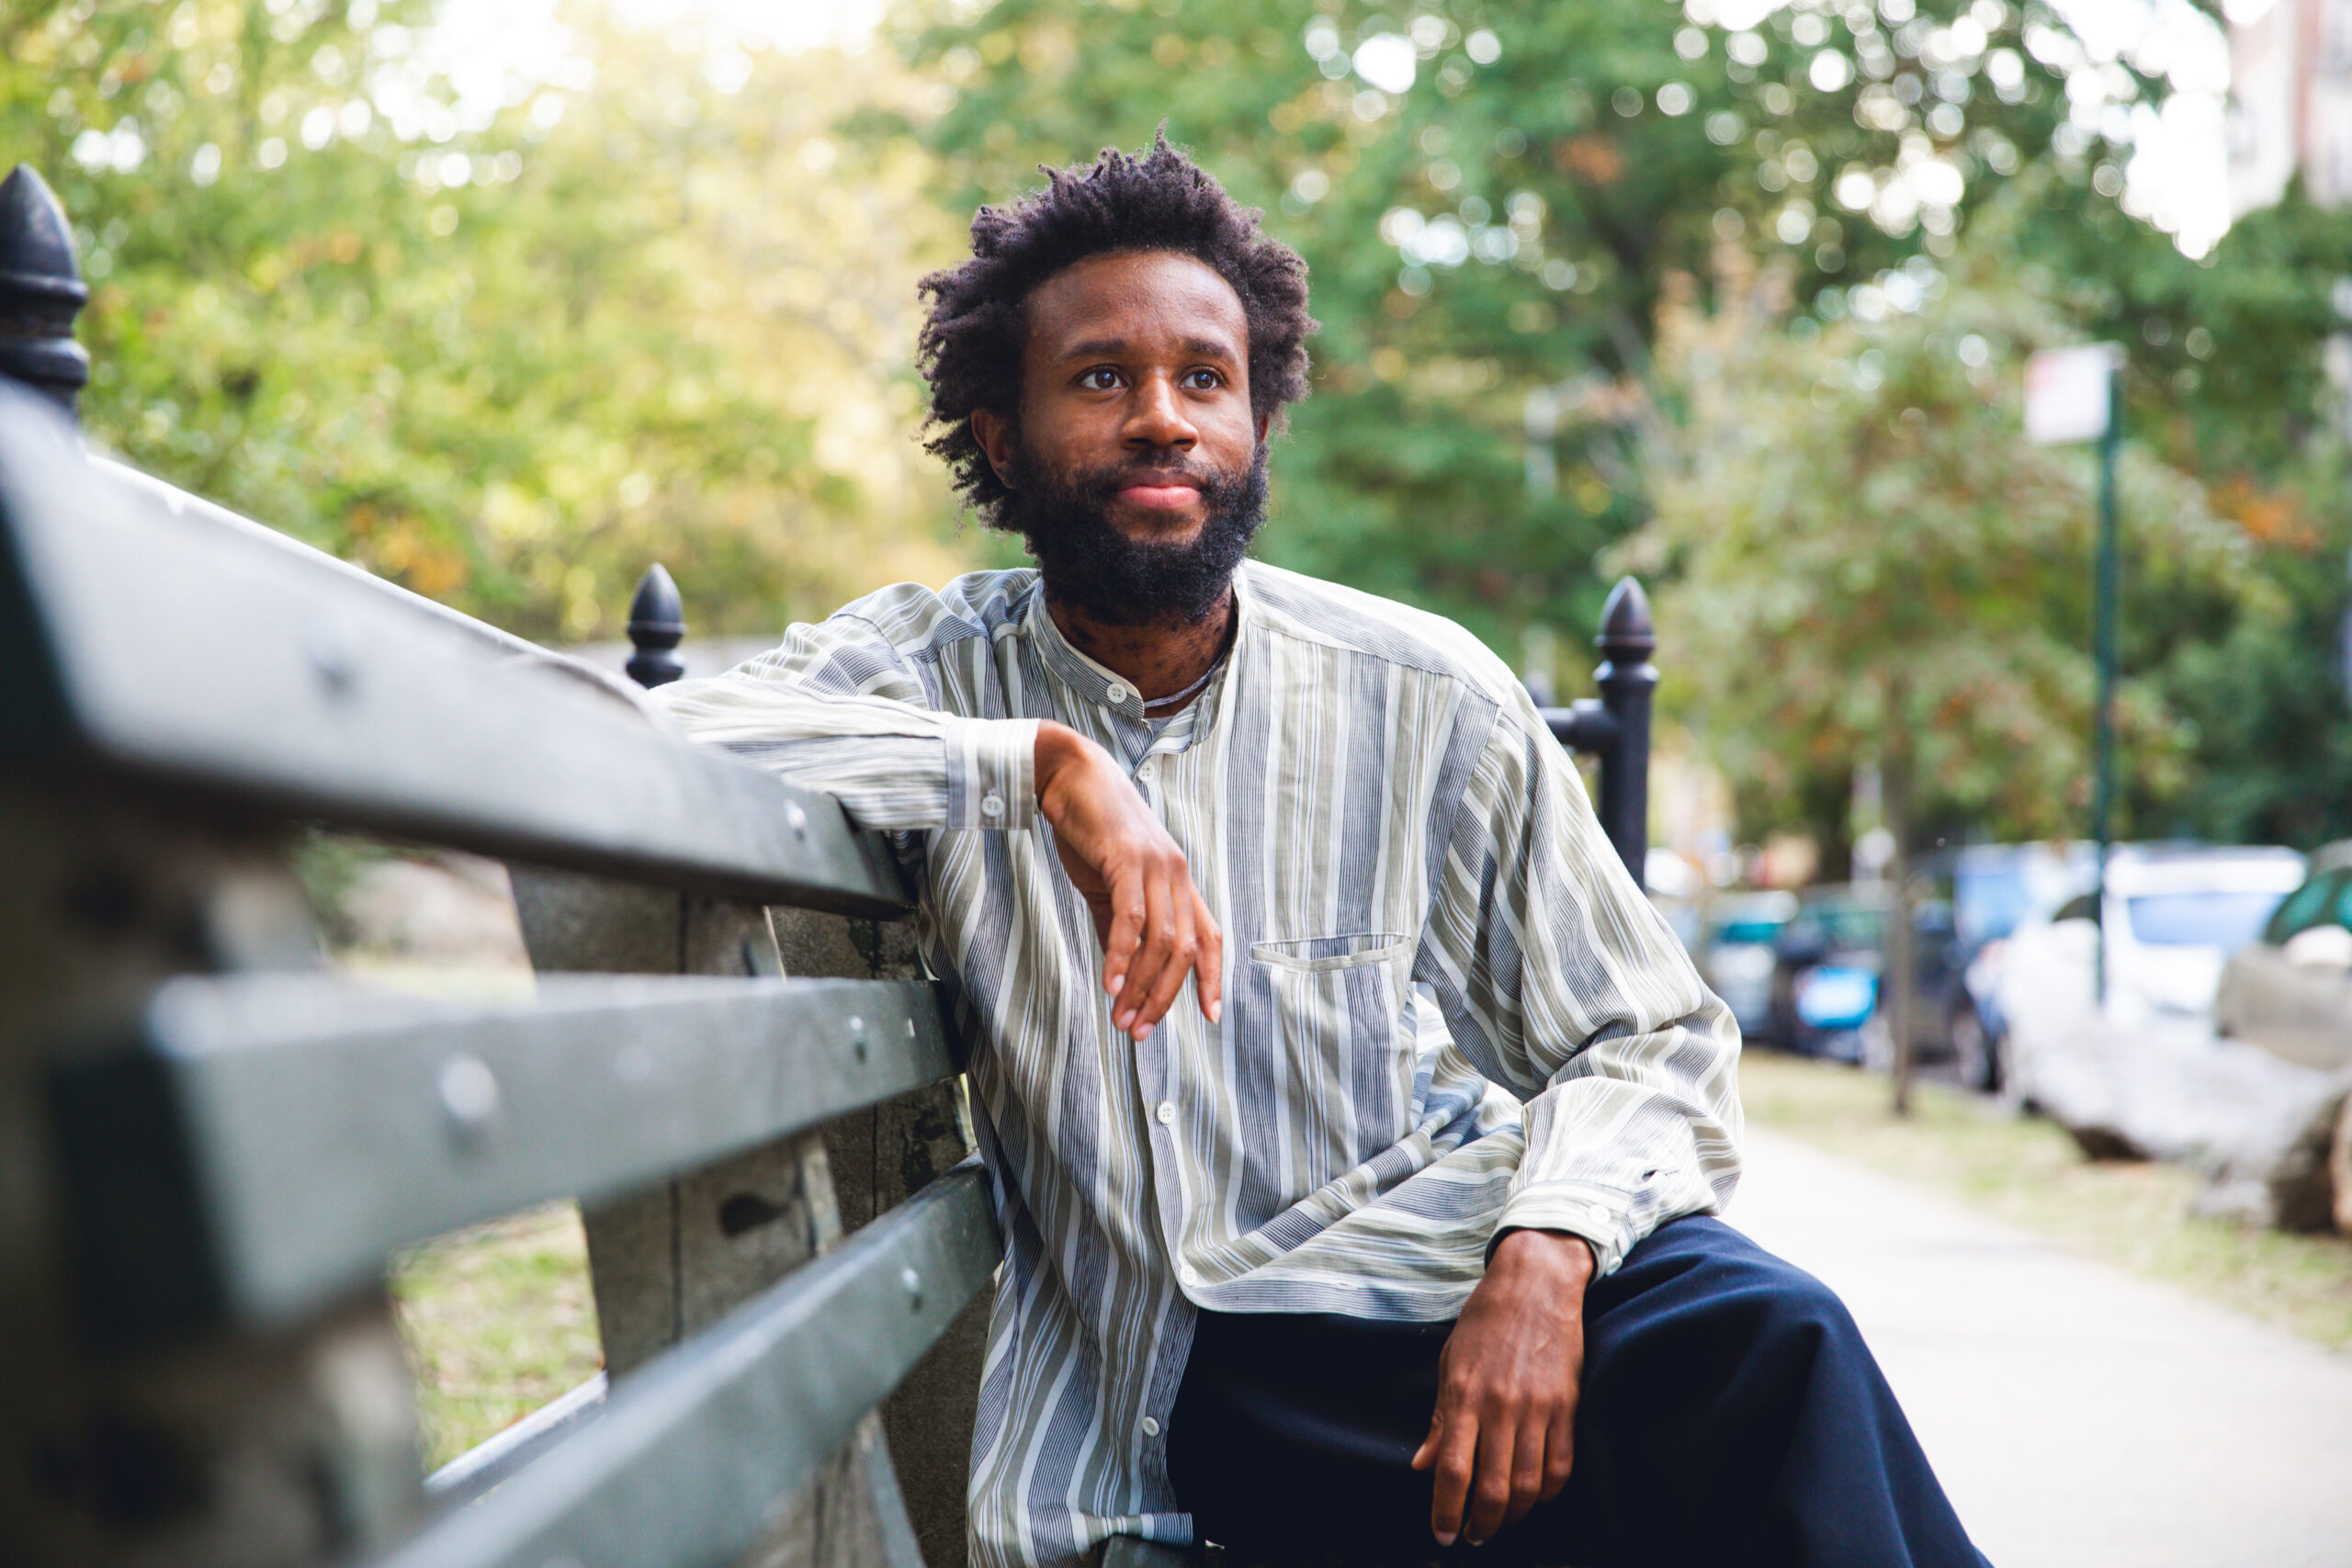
{"points": [[2079, 1417]]}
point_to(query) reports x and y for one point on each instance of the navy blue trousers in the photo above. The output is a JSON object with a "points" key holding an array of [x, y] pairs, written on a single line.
{"points": [[1730, 1416]]}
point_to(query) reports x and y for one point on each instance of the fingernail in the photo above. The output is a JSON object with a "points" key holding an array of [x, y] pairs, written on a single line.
{"points": [[1115, 984], [1123, 1020], [1445, 1537], [1216, 1012]]}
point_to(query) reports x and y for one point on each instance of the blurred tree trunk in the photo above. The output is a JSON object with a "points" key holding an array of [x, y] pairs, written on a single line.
{"points": [[1896, 981]]}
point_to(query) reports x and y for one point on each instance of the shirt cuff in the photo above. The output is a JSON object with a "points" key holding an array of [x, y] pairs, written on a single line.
{"points": [[1596, 1213], [992, 772]]}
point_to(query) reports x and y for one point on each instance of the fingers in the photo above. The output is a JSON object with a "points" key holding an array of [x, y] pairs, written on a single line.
{"points": [[1209, 968], [1457, 1452], [1559, 1454], [1426, 1455], [1156, 928], [1490, 1481], [1119, 943], [1154, 954], [1177, 939], [1528, 1457], [1183, 950]]}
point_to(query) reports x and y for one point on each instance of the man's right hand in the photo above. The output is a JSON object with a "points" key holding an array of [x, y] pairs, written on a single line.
{"points": [[1153, 924]]}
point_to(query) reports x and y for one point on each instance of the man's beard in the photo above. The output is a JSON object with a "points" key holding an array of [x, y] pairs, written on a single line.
{"points": [[1094, 569]]}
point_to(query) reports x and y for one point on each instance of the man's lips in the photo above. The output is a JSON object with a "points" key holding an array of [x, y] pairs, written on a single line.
{"points": [[1165, 497], [1161, 491]]}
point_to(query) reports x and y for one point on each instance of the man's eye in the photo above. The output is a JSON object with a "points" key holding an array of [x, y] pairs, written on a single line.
{"points": [[1102, 378], [1203, 380]]}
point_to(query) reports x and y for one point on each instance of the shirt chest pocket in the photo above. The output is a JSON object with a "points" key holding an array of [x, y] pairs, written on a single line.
{"points": [[1327, 954], [1337, 1053]]}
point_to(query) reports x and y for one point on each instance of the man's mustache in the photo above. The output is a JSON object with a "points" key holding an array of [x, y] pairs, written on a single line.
{"points": [[1158, 469]]}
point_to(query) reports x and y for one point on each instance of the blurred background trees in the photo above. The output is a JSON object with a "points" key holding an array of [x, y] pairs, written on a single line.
{"points": [[503, 348], [1736, 296]]}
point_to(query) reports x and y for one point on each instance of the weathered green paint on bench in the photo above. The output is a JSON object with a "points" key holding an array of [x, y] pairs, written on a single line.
{"points": [[300, 1129]]}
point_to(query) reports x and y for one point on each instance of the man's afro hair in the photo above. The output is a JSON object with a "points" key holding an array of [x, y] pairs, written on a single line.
{"points": [[972, 341]]}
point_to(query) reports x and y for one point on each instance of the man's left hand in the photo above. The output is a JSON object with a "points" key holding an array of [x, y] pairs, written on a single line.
{"points": [[1503, 1435]]}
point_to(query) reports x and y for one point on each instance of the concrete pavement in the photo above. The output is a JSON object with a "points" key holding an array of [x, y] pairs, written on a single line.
{"points": [[2079, 1416]]}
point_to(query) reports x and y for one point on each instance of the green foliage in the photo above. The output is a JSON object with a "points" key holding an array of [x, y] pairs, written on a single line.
{"points": [[1563, 216], [1499, 228], [661, 305], [1871, 563], [505, 361]]}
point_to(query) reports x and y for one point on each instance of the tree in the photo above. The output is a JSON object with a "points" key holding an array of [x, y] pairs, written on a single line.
{"points": [[1884, 569], [503, 351], [1488, 195]]}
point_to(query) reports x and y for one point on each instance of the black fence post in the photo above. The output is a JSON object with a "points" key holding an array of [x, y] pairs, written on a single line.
{"points": [[41, 292], [1627, 680], [657, 624], [1616, 727]]}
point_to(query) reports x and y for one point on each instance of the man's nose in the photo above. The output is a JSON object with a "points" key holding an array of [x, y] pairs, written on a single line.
{"points": [[1157, 418]]}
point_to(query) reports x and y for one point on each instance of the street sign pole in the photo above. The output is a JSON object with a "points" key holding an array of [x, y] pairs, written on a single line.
{"points": [[2103, 787], [2076, 394]]}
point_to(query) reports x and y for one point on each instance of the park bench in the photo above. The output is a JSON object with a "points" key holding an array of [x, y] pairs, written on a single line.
{"points": [[211, 1145]]}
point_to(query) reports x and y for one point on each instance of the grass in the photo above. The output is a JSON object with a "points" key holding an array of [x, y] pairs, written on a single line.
{"points": [[2029, 1172], [499, 1320]]}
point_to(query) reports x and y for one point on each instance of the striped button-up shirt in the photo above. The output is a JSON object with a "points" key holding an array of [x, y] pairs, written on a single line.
{"points": [[1448, 1009]]}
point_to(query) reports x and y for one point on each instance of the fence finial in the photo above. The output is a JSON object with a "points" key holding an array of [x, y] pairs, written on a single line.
{"points": [[1627, 636], [41, 292], [1627, 680], [657, 623]]}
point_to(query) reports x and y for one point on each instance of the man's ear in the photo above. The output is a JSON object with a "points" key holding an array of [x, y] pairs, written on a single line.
{"points": [[1265, 421], [994, 433]]}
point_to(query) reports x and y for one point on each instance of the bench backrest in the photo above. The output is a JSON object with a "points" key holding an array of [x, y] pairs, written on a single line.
{"points": [[210, 1147]]}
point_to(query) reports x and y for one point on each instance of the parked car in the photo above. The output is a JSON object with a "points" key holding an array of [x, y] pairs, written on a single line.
{"points": [[1828, 966], [1735, 952], [1994, 888], [2172, 914], [2290, 990]]}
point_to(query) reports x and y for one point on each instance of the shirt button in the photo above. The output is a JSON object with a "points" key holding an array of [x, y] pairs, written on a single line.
{"points": [[1150, 1427], [1166, 1113], [1190, 1275], [992, 805], [1117, 692], [1148, 771], [1600, 1216]]}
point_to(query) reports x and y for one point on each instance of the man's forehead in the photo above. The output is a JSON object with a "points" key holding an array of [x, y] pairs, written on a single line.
{"points": [[1133, 297]]}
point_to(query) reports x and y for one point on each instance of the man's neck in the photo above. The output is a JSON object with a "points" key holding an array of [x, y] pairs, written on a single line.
{"points": [[1157, 659]]}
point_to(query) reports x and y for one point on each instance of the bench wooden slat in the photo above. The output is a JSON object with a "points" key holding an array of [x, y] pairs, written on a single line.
{"points": [[272, 1139], [691, 1455], [175, 647]]}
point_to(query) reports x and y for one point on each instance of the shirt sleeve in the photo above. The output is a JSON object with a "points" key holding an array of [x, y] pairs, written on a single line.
{"points": [[1563, 982], [839, 707]]}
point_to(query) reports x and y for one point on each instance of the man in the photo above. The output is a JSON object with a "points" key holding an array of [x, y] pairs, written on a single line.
{"points": [[1336, 1085]]}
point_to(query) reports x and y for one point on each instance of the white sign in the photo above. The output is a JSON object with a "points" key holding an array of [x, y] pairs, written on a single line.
{"points": [[2066, 392]]}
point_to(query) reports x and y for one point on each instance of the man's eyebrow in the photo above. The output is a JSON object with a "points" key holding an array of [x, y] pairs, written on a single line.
{"points": [[1114, 347]]}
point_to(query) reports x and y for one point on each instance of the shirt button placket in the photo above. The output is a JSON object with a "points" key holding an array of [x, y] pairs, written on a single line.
{"points": [[1150, 1426]]}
